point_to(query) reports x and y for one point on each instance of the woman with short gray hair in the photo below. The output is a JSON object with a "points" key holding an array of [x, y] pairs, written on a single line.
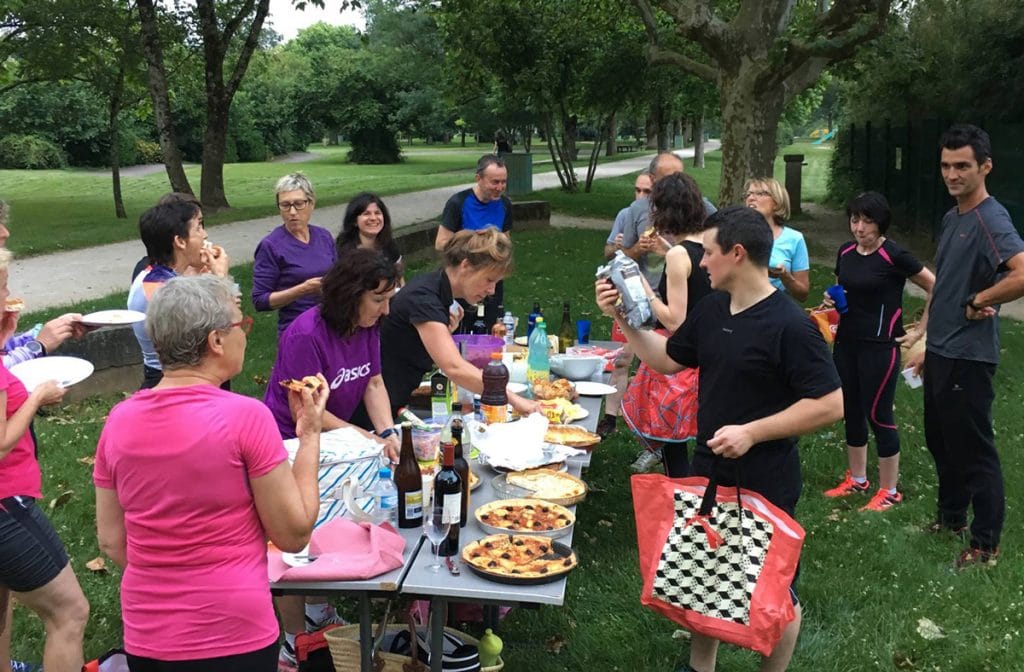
{"points": [[191, 480], [292, 258]]}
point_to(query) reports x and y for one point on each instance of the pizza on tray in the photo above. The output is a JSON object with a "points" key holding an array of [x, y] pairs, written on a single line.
{"points": [[555, 389], [548, 484], [518, 556], [571, 435], [525, 515]]}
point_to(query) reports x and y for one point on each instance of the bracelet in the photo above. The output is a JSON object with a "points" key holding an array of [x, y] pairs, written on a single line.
{"points": [[387, 432]]}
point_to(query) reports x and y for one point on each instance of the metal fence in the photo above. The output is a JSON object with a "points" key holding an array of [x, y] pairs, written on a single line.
{"points": [[902, 162]]}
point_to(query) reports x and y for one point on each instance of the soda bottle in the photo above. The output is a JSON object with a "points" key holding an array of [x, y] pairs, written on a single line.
{"points": [[461, 466], [538, 366], [531, 320], [386, 497], [566, 333], [494, 400], [448, 488], [409, 483]]}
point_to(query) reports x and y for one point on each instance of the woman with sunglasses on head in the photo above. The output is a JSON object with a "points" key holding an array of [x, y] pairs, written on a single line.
{"points": [[790, 266], [367, 225], [290, 260], [191, 481]]}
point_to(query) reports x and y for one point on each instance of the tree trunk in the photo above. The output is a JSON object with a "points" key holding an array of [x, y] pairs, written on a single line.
{"points": [[651, 127], [114, 122], [750, 119], [569, 126], [611, 129], [463, 134], [157, 84], [605, 130], [698, 140], [688, 131], [664, 131], [215, 139]]}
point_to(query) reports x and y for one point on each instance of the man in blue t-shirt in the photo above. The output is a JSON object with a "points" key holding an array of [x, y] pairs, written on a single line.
{"points": [[979, 264], [483, 205]]}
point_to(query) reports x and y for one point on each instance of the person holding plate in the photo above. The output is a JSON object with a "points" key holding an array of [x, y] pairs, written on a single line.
{"points": [[33, 562], [191, 480]]}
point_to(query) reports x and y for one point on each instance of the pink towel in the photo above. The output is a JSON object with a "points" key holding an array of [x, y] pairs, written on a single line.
{"points": [[344, 551]]}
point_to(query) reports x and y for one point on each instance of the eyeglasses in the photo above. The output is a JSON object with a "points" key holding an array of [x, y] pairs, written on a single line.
{"points": [[285, 206], [760, 193], [245, 324]]}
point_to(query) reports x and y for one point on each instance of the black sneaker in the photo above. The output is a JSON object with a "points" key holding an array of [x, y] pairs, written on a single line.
{"points": [[607, 426]]}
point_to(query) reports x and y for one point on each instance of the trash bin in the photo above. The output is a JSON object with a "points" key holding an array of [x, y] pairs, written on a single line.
{"points": [[520, 173]]}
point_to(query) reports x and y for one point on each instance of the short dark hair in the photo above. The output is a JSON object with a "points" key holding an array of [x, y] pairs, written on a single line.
{"points": [[740, 225], [159, 225], [961, 135], [677, 205], [179, 197], [360, 271], [873, 206], [488, 160], [348, 238]]}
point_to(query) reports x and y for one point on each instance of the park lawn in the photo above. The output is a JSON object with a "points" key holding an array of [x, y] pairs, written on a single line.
{"points": [[866, 580]]}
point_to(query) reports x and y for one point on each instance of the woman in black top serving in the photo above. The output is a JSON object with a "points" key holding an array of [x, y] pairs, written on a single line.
{"points": [[416, 335], [659, 408], [873, 272]]}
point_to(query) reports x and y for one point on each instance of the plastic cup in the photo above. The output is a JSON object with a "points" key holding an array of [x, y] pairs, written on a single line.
{"points": [[913, 381], [838, 295], [583, 331], [425, 442]]}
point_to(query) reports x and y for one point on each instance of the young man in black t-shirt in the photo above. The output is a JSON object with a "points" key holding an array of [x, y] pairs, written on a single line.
{"points": [[766, 377]]}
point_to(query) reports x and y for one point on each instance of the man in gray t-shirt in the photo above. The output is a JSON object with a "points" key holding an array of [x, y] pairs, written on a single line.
{"points": [[979, 265]]}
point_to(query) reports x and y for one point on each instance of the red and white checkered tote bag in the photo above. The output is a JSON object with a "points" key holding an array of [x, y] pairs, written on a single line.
{"points": [[717, 561]]}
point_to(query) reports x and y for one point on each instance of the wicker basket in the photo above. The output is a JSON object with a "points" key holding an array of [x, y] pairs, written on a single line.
{"points": [[344, 645]]}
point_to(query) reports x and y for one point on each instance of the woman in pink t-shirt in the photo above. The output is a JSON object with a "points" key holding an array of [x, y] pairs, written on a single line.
{"points": [[33, 562], [190, 482]]}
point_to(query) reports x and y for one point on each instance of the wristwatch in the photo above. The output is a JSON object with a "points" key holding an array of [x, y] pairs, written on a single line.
{"points": [[387, 432], [970, 302], [36, 348]]}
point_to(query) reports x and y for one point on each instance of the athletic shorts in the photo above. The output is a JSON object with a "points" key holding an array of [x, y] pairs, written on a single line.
{"points": [[31, 553]]}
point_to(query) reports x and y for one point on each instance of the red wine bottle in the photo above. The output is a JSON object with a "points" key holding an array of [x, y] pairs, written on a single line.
{"points": [[448, 490]]}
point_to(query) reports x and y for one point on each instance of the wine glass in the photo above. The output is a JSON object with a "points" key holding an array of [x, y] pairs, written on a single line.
{"points": [[435, 528]]}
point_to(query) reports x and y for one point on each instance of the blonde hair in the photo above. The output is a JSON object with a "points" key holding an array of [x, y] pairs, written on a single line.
{"points": [[778, 194], [5, 258], [482, 248]]}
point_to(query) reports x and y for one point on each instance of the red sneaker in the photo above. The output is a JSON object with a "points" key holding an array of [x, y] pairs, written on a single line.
{"points": [[848, 487], [883, 501], [975, 557]]}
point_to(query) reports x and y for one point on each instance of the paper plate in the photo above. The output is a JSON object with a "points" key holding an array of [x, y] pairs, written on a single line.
{"points": [[65, 370], [109, 318], [589, 388], [300, 559], [516, 388]]}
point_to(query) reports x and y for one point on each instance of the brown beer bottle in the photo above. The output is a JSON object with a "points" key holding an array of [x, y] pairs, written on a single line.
{"points": [[409, 483], [462, 467]]}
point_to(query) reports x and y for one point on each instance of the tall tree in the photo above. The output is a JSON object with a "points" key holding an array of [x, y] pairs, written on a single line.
{"points": [[761, 55]]}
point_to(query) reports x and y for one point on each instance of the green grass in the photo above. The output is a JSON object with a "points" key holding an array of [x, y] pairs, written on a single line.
{"points": [[55, 210], [814, 177], [866, 578]]}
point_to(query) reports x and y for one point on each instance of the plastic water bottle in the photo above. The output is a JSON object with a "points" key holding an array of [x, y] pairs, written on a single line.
{"points": [[538, 365], [385, 494], [510, 329]]}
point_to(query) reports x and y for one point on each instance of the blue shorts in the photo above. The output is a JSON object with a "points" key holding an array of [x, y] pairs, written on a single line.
{"points": [[31, 553]]}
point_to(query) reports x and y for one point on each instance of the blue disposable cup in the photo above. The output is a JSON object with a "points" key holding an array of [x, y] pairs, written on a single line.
{"points": [[582, 332], [838, 295]]}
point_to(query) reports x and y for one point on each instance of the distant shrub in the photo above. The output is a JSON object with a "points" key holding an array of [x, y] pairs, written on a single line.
{"points": [[30, 151], [148, 152]]}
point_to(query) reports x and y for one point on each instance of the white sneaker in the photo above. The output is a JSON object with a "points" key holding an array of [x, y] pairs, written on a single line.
{"points": [[646, 460], [332, 618], [286, 660]]}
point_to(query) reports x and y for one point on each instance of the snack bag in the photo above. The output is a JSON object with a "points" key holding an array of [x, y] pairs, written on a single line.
{"points": [[624, 274]]}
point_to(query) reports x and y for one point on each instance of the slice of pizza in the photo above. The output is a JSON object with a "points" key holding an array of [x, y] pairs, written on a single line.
{"points": [[311, 383], [14, 305], [571, 435]]}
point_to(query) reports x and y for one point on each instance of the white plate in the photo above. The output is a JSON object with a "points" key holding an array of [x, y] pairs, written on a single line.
{"points": [[107, 318], [580, 415], [297, 559], [516, 388], [521, 340], [65, 370], [589, 388]]}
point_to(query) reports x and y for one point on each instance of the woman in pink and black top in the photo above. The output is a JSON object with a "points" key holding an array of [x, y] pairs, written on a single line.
{"points": [[873, 271], [33, 562], [191, 480]]}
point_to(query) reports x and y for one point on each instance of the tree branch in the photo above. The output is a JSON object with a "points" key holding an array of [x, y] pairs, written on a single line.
{"points": [[659, 56], [251, 41], [647, 16], [232, 26]]}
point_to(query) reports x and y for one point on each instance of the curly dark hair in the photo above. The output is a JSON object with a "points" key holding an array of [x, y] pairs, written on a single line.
{"points": [[348, 237], [360, 271], [677, 206]]}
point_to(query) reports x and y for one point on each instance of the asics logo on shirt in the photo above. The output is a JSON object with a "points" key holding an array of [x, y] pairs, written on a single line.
{"points": [[348, 375]]}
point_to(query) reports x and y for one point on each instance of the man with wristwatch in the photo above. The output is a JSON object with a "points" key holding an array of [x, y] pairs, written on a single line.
{"points": [[979, 265]]}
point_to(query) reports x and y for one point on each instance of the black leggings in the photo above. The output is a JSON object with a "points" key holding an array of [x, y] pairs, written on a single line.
{"points": [[263, 660], [869, 372], [675, 457]]}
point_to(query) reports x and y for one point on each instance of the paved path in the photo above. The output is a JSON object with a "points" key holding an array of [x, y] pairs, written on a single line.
{"points": [[63, 278]]}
